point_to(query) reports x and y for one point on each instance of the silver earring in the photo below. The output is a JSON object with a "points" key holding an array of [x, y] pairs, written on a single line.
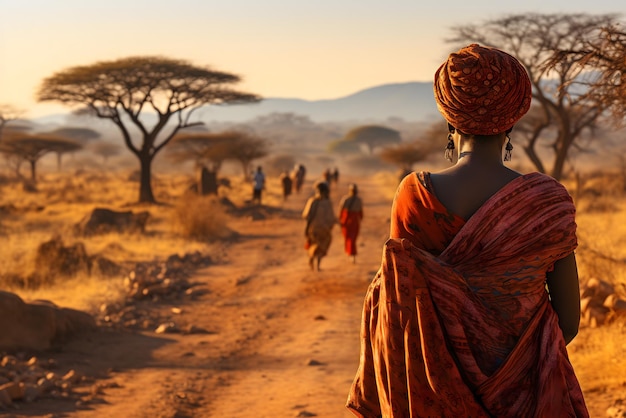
{"points": [[508, 149], [449, 148]]}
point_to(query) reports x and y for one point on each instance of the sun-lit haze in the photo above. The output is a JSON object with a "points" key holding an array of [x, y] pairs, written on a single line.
{"points": [[310, 50]]}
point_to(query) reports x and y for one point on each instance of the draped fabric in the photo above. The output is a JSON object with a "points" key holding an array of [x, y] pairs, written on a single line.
{"points": [[320, 218], [350, 216], [468, 331]]}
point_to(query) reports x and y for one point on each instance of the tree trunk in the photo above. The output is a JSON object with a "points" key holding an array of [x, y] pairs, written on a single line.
{"points": [[246, 169], [561, 156], [207, 181], [145, 179], [33, 171]]}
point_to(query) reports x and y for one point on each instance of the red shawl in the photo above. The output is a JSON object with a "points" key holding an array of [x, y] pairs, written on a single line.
{"points": [[471, 332]]}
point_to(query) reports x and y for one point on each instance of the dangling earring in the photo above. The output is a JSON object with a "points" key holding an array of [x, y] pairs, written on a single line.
{"points": [[449, 148], [508, 148]]}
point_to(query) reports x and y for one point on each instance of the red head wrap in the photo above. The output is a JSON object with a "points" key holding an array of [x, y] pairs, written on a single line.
{"points": [[481, 90]]}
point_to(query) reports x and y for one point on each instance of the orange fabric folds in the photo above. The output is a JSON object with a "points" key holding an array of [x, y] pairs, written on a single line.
{"points": [[470, 332]]}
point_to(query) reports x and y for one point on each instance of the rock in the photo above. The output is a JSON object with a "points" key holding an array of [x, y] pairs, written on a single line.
{"points": [[37, 325], [617, 410], [56, 259], [102, 220], [193, 329], [5, 398], [15, 390], [32, 393], [167, 328], [306, 414], [597, 288], [313, 362], [72, 376]]}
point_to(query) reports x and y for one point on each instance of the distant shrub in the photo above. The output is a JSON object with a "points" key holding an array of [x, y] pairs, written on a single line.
{"points": [[201, 218]]}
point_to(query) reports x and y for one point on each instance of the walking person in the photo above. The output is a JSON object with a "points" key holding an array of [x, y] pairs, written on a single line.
{"points": [[350, 217], [477, 295], [258, 185], [320, 219], [287, 184], [298, 177]]}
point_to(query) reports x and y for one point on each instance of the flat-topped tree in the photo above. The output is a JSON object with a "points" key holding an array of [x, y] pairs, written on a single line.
{"points": [[7, 114], [128, 90], [213, 148], [373, 136], [31, 147]]}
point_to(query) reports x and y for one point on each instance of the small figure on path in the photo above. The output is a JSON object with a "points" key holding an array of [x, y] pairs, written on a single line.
{"points": [[258, 184], [298, 177], [320, 219], [350, 216], [336, 175], [287, 184]]}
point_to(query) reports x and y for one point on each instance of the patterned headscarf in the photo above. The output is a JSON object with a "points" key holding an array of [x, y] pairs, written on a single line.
{"points": [[481, 90]]}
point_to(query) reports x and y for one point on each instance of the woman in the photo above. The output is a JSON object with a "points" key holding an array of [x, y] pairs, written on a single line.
{"points": [[458, 321], [320, 219], [350, 216]]}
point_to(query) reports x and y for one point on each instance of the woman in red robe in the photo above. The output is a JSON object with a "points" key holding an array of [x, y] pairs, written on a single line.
{"points": [[477, 294], [350, 216]]}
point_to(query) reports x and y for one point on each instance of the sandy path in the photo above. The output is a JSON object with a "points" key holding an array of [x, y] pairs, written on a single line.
{"points": [[283, 340]]}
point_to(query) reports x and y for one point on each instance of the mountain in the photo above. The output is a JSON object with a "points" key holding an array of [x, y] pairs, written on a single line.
{"points": [[412, 101], [409, 101]]}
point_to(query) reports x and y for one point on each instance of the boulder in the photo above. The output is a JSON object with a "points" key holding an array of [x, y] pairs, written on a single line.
{"points": [[102, 221], [38, 325]]}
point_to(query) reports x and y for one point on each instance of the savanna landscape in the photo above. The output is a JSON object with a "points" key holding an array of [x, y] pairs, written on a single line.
{"points": [[139, 279], [249, 329]]}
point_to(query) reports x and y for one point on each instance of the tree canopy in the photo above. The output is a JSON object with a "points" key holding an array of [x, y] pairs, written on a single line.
{"points": [[407, 154], [603, 59], [156, 96], [536, 39], [213, 148], [32, 147], [373, 136]]}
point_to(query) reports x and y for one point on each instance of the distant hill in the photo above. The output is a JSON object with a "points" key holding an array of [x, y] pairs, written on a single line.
{"points": [[409, 101], [412, 101]]}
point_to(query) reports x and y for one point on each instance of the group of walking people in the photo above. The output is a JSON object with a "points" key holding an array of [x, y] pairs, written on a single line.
{"points": [[321, 217]]}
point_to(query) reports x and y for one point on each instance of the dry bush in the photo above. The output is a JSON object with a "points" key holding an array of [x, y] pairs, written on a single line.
{"points": [[597, 355], [201, 218]]}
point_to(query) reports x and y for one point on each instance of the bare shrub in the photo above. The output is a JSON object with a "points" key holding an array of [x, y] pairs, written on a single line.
{"points": [[201, 218]]}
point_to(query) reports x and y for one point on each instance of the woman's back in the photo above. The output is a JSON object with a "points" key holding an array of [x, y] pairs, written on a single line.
{"points": [[464, 188]]}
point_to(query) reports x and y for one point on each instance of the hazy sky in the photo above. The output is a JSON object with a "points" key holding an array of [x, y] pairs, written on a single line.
{"points": [[319, 49]]}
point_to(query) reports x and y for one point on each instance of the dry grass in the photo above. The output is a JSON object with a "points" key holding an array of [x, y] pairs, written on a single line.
{"points": [[186, 223], [201, 218], [63, 200]]}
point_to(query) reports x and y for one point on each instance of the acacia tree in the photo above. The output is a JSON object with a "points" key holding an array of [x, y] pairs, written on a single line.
{"points": [[32, 147], [246, 148], [7, 114], [602, 66], [79, 135], [105, 150], [343, 147], [563, 112], [373, 136], [405, 155], [205, 149], [130, 90]]}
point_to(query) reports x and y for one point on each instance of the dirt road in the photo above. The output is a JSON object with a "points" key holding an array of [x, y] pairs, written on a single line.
{"points": [[282, 340]]}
